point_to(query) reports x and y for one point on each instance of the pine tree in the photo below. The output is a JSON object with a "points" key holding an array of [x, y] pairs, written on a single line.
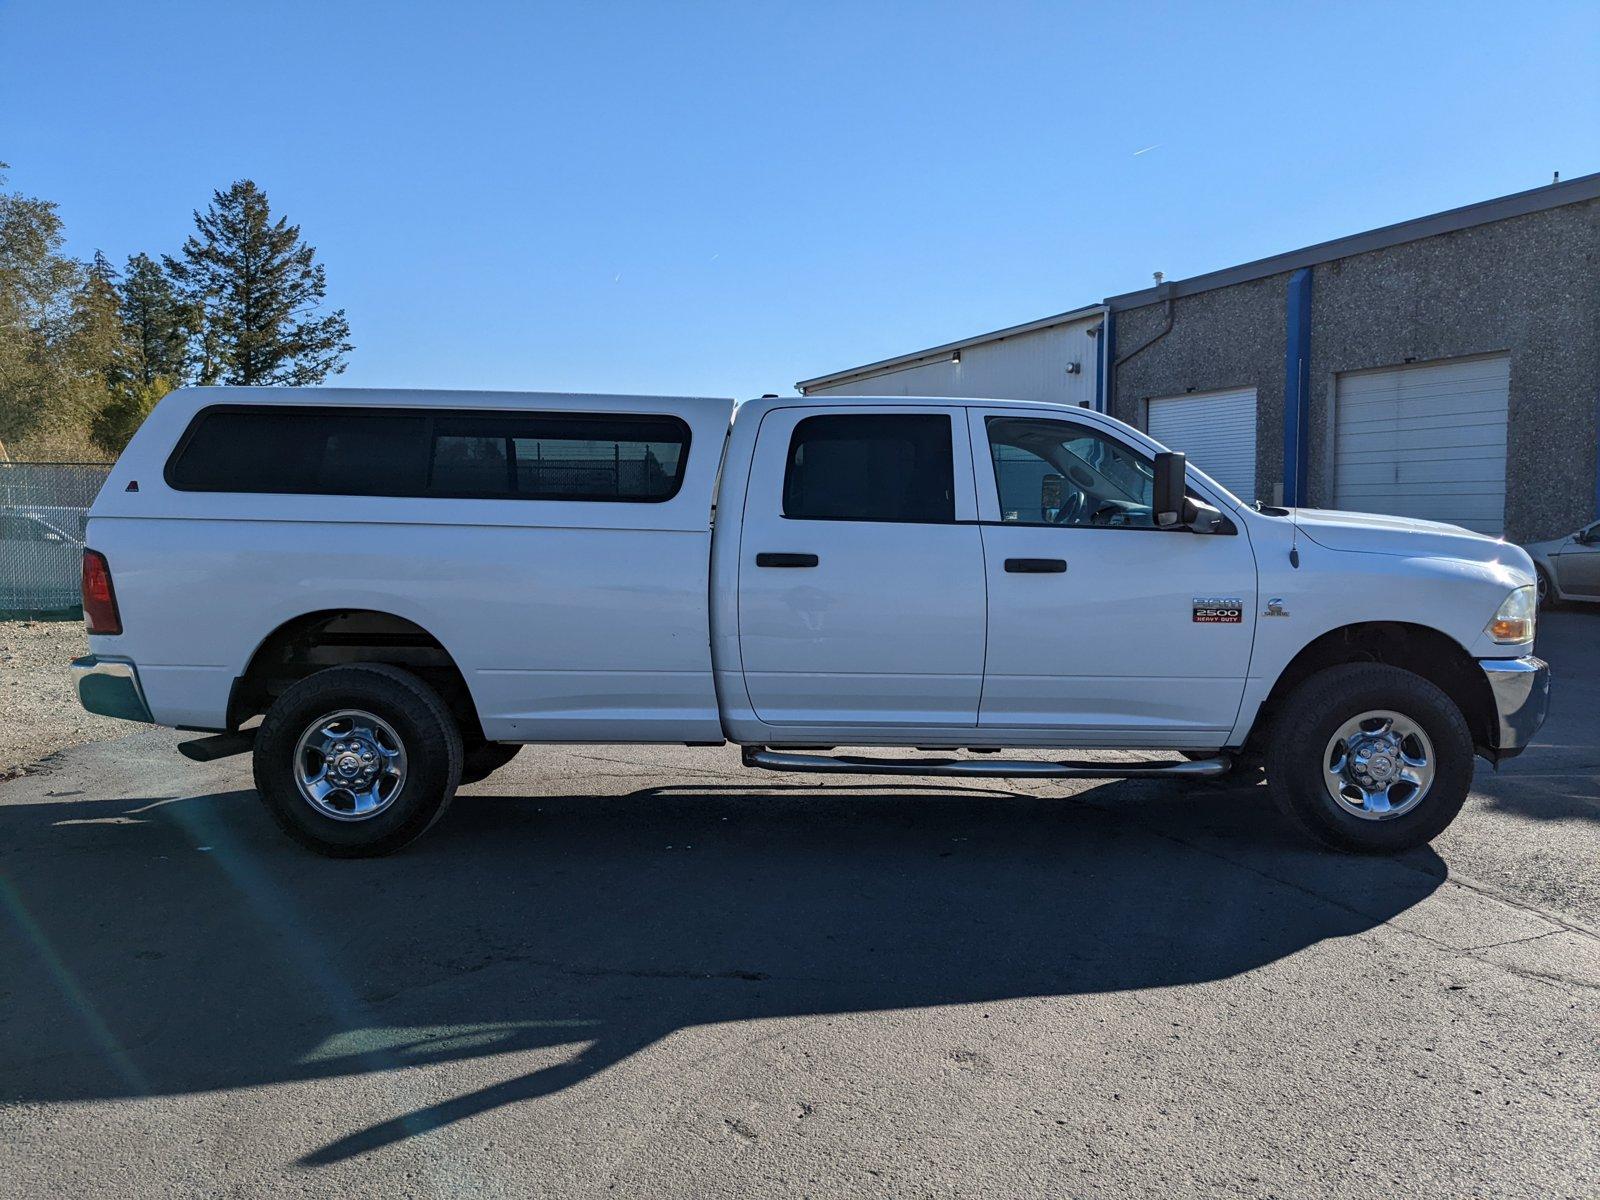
{"points": [[98, 344], [158, 322], [259, 290]]}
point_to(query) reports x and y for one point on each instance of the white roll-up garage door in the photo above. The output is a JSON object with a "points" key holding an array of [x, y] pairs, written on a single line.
{"points": [[1217, 430], [1426, 441]]}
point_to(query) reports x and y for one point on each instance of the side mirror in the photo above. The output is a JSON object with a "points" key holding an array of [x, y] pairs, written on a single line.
{"points": [[1171, 507], [1169, 497]]}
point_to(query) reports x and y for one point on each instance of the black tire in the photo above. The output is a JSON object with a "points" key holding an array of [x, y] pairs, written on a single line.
{"points": [[416, 715], [482, 759], [1547, 589], [1309, 720]]}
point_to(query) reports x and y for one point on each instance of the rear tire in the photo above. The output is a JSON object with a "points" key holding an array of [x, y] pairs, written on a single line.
{"points": [[357, 761], [1382, 728]]}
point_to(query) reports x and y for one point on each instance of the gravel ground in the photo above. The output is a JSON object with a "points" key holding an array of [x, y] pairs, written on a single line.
{"points": [[42, 714]]}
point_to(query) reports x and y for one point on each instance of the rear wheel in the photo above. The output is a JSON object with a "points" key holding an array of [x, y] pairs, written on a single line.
{"points": [[357, 760], [1370, 758]]}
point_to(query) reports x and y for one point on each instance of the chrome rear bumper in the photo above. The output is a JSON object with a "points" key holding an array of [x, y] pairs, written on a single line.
{"points": [[110, 687], [1521, 689]]}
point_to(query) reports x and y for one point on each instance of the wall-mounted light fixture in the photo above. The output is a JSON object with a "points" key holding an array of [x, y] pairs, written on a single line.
{"points": [[1074, 368], [955, 357]]}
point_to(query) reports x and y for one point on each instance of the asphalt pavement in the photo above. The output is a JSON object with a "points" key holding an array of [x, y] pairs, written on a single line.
{"points": [[647, 972]]}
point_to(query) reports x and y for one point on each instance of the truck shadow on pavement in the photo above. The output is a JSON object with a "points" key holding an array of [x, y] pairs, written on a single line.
{"points": [[170, 947]]}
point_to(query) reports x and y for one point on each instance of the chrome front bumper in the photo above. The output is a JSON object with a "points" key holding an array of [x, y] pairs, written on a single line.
{"points": [[1521, 689], [110, 687]]}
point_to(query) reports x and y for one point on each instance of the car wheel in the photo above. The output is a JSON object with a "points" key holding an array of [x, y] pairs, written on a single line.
{"points": [[1370, 758], [1547, 591], [482, 759], [358, 760]]}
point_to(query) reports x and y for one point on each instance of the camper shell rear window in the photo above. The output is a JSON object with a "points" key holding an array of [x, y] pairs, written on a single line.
{"points": [[448, 453]]}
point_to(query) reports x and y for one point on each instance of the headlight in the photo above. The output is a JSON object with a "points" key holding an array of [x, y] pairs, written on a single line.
{"points": [[1514, 620]]}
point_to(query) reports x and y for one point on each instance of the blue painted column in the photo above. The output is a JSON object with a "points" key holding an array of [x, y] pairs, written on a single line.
{"points": [[1297, 391], [1108, 357]]}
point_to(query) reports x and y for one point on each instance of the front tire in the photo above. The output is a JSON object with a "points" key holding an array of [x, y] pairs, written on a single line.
{"points": [[357, 761], [1370, 758]]}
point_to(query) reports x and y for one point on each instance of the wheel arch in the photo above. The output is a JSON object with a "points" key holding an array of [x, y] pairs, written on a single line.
{"points": [[1423, 650], [328, 637]]}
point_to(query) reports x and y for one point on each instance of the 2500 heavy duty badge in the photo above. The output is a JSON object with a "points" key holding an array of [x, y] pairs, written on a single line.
{"points": [[1218, 610]]}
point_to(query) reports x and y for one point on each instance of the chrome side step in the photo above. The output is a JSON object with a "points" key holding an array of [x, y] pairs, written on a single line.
{"points": [[994, 768]]}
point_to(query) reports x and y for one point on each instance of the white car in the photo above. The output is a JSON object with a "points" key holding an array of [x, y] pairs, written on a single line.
{"points": [[1568, 568], [407, 586]]}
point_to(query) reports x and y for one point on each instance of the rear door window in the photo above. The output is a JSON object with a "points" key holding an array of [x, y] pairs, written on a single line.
{"points": [[871, 467]]}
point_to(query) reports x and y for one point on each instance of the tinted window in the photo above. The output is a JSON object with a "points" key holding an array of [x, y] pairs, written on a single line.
{"points": [[391, 452], [1051, 472], [333, 451], [871, 468]]}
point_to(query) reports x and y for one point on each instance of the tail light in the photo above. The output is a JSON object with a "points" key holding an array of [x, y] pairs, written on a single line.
{"points": [[99, 598]]}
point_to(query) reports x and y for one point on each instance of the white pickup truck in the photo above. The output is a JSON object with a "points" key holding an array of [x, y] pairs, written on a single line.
{"points": [[406, 586]]}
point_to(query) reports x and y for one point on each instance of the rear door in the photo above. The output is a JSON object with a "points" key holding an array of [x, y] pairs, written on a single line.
{"points": [[861, 585], [1101, 626]]}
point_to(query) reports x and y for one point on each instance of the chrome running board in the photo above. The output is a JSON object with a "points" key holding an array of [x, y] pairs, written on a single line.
{"points": [[993, 768]]}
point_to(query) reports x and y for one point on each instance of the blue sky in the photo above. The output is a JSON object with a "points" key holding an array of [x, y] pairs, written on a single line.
{"points": [[724, 199]]}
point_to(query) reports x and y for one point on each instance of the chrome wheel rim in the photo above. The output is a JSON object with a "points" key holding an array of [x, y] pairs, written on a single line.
{"points": [[349, 765], [1378, 766]]}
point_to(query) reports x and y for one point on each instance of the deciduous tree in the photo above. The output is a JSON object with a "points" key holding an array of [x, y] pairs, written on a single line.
{"points": [[37, 288]]}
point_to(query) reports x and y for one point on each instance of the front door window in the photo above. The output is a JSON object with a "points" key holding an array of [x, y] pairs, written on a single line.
{"points": [[1058, 473]]}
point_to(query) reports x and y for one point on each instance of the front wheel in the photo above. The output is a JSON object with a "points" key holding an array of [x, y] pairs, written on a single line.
{"points": [[1370, 758], [356, 761]]}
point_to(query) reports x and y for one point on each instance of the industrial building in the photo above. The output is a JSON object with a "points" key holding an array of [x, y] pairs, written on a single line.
{"points": [[1446, 367]]}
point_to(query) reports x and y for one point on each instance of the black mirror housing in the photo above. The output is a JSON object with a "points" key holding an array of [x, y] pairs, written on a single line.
{"points": [[1170, 493], [1171, 506]]}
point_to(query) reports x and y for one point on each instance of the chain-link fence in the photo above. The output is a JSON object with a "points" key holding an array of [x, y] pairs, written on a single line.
{"points": [[43, 509]]}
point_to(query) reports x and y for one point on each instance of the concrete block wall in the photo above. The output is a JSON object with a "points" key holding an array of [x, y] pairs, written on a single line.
{"points": [[1528, 286]]}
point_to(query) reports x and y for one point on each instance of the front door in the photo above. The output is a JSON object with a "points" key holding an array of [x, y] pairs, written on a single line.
{"points": [[1577, 563], [861, 587], [1100, 623]]}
